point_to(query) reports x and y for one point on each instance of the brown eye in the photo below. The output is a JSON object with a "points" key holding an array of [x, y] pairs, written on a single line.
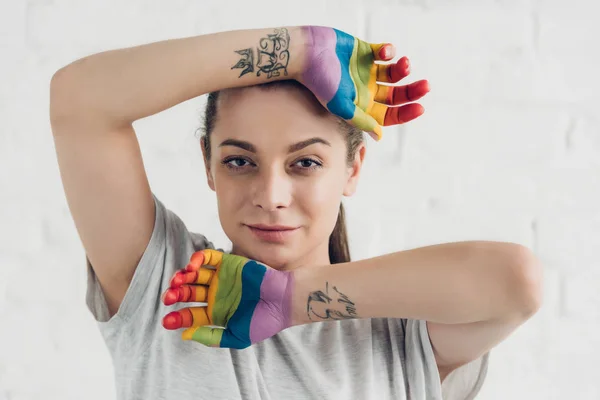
{"points": [[309, 163], [235, 163]]}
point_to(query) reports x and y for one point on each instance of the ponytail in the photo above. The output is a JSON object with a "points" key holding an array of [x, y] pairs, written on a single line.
{"points": [[338, 241]]}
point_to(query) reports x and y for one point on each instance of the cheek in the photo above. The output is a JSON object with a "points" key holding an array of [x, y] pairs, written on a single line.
{"points": [[230, 196], [321, 199], [321, 210]]}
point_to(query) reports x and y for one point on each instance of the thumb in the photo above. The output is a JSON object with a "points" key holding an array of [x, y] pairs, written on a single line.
{"points": [[367, 123], [203, 334], [214, 337]]}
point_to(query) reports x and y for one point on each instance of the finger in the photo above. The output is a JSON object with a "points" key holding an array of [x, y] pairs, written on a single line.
{"points": [[383, 51], [185, 318], [194, 273], [392, 73], [185, 294], [396, 95], [387, 116], [367, 123], [215, 337], [203, 334], [204, 257], [203, 276]]}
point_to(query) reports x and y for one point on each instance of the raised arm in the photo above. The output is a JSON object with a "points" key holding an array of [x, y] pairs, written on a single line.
{"points": [[124, 85], [95, 100]]}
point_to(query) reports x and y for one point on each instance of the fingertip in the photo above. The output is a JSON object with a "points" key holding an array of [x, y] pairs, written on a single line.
{"points": [[425, 85], [196, 261], [416, 110], [405, 62], [399, 70], [378, 133], [178, 279], [172, 320], [170, 297], [193, 266], [421, 109], [387, 52]]}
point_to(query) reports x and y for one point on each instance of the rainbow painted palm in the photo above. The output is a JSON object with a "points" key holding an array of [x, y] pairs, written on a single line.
{"points": [[247, 301], [342, 73]]}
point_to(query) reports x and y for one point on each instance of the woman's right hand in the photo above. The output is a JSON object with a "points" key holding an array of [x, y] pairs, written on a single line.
{"points": [[247, 301], [341, 72]]}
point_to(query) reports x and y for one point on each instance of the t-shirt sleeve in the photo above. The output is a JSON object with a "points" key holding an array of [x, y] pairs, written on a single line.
{"points": [[421, 369], [465, 382], [461, 384], [169, 249]]}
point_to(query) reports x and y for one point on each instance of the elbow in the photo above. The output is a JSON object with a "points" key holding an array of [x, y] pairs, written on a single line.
{"points": [[66, 95], [526, 283], [60, 107]]}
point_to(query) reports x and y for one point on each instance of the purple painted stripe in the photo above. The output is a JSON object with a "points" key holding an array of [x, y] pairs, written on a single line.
{"points": [[323, 71], [273, 291]]}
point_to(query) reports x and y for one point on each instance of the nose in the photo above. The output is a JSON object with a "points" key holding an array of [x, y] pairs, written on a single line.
{"points": [[272, 189]]}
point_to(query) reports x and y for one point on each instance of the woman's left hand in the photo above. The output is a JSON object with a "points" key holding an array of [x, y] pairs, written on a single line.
{"points": [[347, 75], [247, 300]]}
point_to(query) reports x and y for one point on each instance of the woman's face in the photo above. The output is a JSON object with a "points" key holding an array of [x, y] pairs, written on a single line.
{"points": [[278, 161]]}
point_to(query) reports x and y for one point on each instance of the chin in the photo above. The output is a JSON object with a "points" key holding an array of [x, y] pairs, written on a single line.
{"points": [[275, 256]]}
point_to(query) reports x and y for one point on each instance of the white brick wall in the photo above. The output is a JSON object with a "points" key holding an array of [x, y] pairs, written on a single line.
{"points": [[509, 149]]}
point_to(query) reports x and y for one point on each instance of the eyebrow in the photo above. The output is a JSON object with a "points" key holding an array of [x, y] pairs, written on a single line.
{"points": [[294, 147]]}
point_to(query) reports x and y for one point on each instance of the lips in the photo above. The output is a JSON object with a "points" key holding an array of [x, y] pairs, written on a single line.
{"points": [[272, 227], [272, 233]]}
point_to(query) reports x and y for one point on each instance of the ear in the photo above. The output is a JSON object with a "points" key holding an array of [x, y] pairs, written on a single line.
{"points": [[209, 177], [354, 170]]}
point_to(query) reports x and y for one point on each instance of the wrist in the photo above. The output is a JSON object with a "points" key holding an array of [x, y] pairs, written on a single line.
{"points": [[299, 282], [300, 40]]}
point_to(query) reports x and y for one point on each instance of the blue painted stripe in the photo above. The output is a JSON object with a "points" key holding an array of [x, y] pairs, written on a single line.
{"points": [[252, 276], [342, 103]]}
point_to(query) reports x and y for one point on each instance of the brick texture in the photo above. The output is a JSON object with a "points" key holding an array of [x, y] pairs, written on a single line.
{"points": [[509, 150]]}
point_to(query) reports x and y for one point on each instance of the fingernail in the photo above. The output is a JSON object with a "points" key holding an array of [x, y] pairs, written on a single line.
{"points": [[384, 52]]}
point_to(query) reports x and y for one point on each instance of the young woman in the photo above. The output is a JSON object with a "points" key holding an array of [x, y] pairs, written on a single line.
{"points": [[285, 314]]}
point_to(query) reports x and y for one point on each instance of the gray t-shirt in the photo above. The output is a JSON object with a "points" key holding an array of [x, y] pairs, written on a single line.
{"points": [[382, 358]]}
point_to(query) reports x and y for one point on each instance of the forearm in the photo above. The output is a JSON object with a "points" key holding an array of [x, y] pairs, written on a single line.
{"points": [[449, 283], [127, 84]]}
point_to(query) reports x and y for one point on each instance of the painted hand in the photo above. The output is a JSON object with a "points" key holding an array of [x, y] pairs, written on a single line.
{"points": [[340, 70], [247, 301]]}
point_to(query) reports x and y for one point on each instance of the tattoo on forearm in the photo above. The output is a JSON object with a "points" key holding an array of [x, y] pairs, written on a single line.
{"points": [[323, 307], [273, 55], [247, 61]]}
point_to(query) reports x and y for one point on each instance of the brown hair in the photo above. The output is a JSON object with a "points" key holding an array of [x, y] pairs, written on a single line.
{"points": [[339, 251]]}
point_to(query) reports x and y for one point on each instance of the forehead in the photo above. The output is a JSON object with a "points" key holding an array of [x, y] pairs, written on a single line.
{"points": [[277, 117]]}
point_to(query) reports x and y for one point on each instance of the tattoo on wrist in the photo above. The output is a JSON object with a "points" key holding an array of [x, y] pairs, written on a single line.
{"points": [[323, 307], [273, 55]]}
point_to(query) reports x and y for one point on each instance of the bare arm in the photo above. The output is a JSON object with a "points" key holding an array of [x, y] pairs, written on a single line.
{"points": [[124, 85], [95, 100], [472, 294]]}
